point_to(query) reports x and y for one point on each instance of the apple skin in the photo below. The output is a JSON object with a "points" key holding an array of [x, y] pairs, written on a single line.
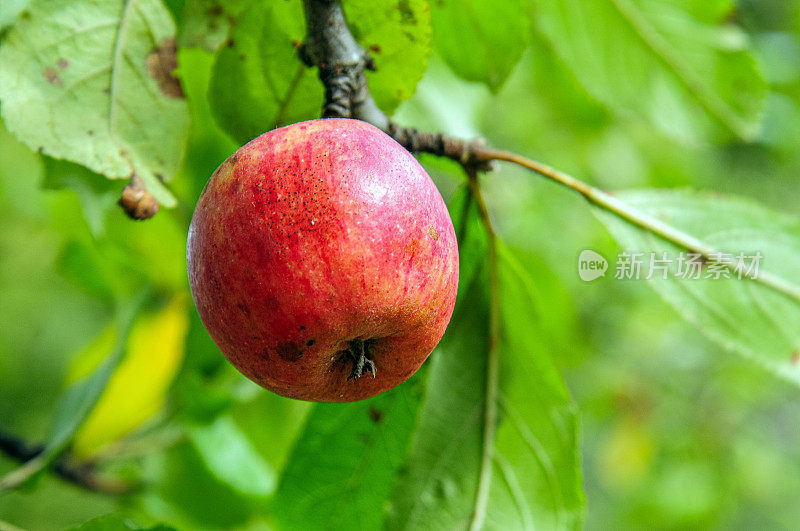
{"points": [[312, 236]]}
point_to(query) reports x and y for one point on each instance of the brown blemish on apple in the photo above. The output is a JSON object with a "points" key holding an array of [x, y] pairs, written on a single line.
{"points": [[289, 352], [63, 63], [310, 342], [795, 358], [160, 64], [51, 76], [433, 233]]}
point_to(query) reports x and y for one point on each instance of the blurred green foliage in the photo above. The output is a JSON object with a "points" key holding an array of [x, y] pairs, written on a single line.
{"points": [[675, 431]]}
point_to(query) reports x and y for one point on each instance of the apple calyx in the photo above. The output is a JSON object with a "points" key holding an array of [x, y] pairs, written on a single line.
{"points": [[358, 353]]}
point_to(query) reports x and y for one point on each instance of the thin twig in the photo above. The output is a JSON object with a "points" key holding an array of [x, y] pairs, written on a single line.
{"points": [[81, 474], [492, 362], [636, 217]]}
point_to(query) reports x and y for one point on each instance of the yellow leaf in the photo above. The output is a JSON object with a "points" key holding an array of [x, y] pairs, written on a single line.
{"points": [[139, 386]]}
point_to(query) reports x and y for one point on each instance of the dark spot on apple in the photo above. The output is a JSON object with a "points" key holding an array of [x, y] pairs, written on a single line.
{"points": [[289, 352], [160, 64], [795, 358], [374, 48], [51, 76], [302, 327], [375, 415], [264, 354], [244, 308], [63, 63], [310, 342], [433, 233]]}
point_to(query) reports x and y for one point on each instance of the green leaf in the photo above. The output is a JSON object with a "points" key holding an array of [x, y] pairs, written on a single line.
{"points": [[343, 465], [438, 482], [654, 59], [112, 522], [206, 23], [536, 481], [230, 457], [481, 40], [77, 401], [97, 194], [754, 318], [91, 82], [535, 477], [397, 34], [259, 83], [187, 493], [10, 10], [85, 267]]}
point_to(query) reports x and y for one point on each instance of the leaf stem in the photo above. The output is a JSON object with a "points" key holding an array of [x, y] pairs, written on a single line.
{"points": [[492, 361], [609, 203]]}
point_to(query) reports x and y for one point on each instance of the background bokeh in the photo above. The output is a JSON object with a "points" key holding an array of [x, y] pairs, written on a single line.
{"points": [[676, 432]]}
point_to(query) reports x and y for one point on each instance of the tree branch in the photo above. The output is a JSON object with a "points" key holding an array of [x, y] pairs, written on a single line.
{"points": [[81, 474], [331, 47]]}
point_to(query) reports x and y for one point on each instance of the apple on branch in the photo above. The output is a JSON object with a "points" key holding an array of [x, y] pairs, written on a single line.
{"points": [[323, 261]]}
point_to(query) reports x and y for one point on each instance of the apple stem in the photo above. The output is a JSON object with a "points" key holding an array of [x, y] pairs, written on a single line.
{"points": [[359, 354]]}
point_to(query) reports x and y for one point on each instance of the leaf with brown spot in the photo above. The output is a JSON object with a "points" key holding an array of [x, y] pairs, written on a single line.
{"points": [[51, 76], [160, 64], [78, 66]]}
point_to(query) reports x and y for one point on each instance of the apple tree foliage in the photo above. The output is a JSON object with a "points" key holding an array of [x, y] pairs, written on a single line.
{"points": [[624, 93]]}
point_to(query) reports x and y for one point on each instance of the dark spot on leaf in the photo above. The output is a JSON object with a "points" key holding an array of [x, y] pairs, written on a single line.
{"points": [[406, 13], [375, 414], [289, 352], [433, 233], [51, 76], [160, 64], [229, 43], [63, 63]]}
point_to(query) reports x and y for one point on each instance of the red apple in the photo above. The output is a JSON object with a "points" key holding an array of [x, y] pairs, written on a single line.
{"points": [[323, 261]]}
